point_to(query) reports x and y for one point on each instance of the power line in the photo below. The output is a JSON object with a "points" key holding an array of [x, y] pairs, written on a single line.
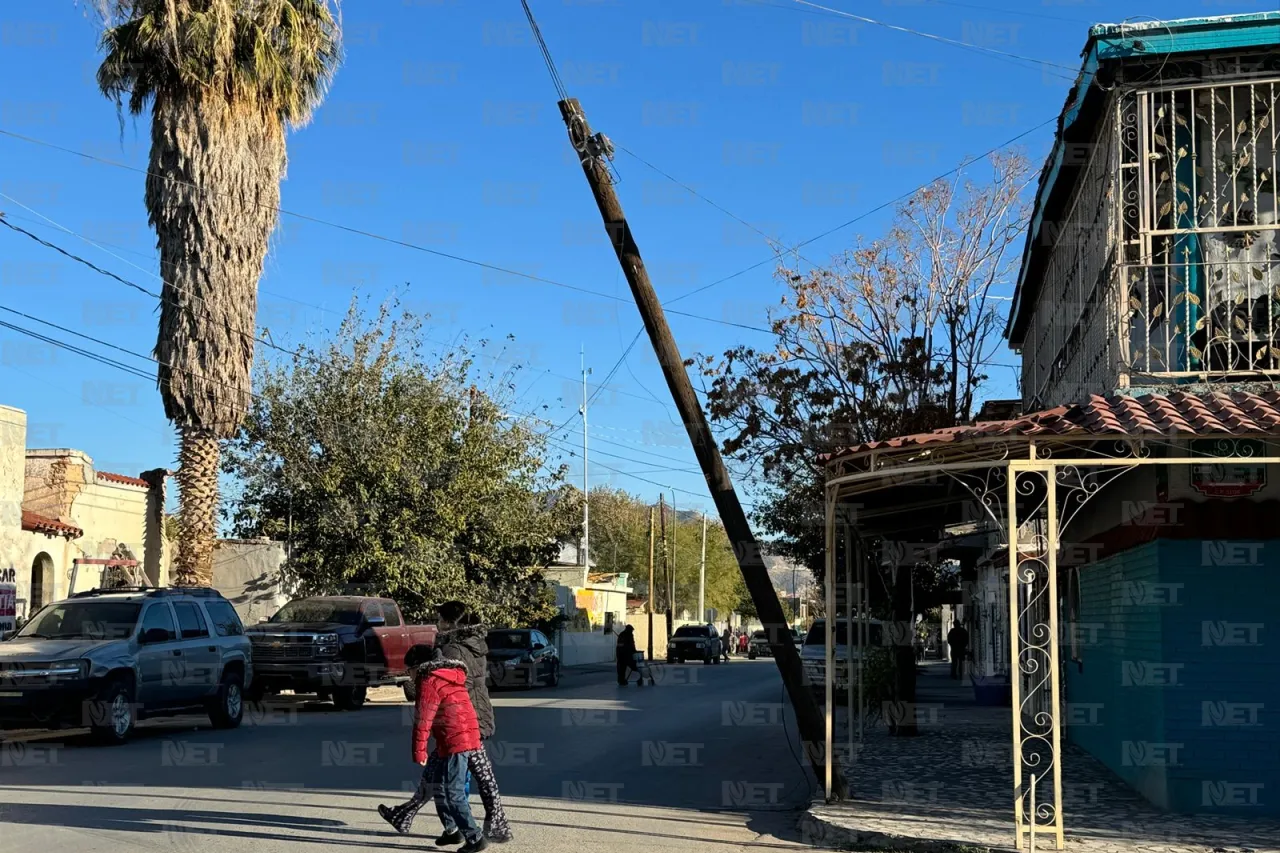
{"points": [[546, 52], [934, 37], [906, 195], [384, 238]]}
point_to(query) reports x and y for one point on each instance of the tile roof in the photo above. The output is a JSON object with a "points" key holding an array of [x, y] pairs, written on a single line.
{"points": [[36, 523], [1176, 414], [123, 480]]}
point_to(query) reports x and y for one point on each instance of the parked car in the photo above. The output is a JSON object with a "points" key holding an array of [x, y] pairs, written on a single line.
{"points": [[758, 645], [107, 658], [336, 647], [813, 654], [521, 657], [695, 642]]}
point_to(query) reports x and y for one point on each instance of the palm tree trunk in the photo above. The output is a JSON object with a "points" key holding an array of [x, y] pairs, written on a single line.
{"points": [[198, 498]]}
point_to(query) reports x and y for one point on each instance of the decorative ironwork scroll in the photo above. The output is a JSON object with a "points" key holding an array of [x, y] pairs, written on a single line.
{"points": [[1033, 620]]}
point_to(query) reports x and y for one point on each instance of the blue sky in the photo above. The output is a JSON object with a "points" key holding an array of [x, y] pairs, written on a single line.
{"points": [[442, 131]]}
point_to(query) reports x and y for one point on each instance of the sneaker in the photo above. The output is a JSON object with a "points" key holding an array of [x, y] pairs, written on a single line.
{"points": [[473, 846], [391, 816], [499, 837], [450, 838]]}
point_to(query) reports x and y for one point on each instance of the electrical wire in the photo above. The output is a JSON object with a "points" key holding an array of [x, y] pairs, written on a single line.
{"points": [[861, 216], [546, 52], [934, 37], [485, 265]]}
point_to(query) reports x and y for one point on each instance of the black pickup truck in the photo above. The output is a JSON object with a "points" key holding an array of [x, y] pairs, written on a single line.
{"points": [[336, 647]]}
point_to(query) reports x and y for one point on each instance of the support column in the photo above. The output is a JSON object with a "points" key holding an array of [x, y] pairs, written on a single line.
{"points": [[1033, 636]]}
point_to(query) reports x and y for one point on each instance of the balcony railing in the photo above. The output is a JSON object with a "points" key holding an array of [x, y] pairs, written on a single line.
{"points": [[1213, 314]]}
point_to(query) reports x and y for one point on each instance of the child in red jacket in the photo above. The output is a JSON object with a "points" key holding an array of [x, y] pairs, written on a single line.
{"points": [[445, 713]]}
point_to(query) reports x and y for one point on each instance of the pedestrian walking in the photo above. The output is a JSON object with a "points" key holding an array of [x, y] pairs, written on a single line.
{"points": [[465, 642], [726, 643], [444, 713], [958, 640], [626, 656]]}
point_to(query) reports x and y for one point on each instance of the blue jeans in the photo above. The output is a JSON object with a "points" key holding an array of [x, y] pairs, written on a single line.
{"points": [[456, 811]]}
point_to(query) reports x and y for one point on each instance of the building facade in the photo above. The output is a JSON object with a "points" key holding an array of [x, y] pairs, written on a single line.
{"points": [[67, 527]]}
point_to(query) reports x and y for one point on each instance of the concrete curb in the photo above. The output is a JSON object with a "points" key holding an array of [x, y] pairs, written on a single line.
{"points": [[820, 830]]}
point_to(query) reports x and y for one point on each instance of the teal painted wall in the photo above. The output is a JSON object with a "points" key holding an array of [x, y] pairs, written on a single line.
{"points": [[1180, 679]]}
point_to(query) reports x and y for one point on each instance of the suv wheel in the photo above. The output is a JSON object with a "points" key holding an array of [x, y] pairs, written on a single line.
{"points": [[554, 678], [227, 709], [114, 714], [349, 698]]}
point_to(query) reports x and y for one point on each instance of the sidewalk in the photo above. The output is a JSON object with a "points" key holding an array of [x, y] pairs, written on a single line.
{"points": [[953, 786]]}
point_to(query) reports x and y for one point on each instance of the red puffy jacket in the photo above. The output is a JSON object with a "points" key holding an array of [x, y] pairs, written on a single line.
{"points": [[444, 710]]}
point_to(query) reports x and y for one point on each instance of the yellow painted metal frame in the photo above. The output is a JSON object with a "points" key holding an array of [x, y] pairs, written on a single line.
{"points": [[1040, 814]]}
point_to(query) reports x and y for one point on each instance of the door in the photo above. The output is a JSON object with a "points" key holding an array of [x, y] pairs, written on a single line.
{"points": [[377, 650], [202, 662], [395, 637], [541, 656], [161, 672]]}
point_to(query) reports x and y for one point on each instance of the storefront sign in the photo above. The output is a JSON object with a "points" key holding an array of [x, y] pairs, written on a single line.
{"points": [[1233, 477], [8, 607]]}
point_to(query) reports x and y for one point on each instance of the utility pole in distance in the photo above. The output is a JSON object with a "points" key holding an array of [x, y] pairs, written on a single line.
{"points": [[649, 648], [702, 574], [666, 562], [594, 151]]}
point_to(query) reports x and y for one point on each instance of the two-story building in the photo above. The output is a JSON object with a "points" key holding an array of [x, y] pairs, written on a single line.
{"points": [[1120, 538]]}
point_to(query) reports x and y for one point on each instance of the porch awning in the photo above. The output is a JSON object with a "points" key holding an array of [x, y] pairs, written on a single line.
{"points": [[1178, 414]]}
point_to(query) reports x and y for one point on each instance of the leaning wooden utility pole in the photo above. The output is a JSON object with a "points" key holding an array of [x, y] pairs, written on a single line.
{"points": [[594, 152]]}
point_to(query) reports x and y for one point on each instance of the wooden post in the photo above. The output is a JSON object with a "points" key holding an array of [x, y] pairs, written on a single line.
{"points": [[650, 646], [594, 151], [666, 564]]}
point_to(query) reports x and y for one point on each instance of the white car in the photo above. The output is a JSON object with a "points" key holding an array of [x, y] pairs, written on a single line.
{"points": [[813, 654]]}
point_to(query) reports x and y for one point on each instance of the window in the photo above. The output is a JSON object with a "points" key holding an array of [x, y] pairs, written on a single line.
{"points": [[392, 614], [509, 640], [84, 620], [190, 621], [371, 610], [225, 621], [699, 631], [158, 617], [342, 612], [539, 637]]}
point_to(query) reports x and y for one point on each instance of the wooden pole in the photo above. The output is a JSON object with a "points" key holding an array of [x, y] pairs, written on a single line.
{"points": [[666, 563], [650, 646], [594, 151], [702, 574]]}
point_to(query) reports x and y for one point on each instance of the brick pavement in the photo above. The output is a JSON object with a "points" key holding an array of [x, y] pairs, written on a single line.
{"points": [[953, 786]]}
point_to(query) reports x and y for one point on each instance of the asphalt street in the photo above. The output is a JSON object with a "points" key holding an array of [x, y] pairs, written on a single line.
{"points": [[707, 759]]}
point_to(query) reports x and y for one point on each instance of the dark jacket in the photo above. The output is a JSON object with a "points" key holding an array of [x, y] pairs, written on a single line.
{"points": [[444, 710], [468, 645], [627, 646]]}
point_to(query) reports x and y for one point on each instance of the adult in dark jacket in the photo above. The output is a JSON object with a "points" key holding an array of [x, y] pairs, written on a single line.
{"points": [[467, 643], [626, 652]]}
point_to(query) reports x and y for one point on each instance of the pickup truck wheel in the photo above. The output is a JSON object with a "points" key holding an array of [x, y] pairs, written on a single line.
{"points": [[227, 709], [114, 713], [751, 655], [349, 698], [554, 678]]}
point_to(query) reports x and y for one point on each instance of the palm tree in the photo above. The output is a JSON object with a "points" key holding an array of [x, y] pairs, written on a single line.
{"points": [[224, 79]]}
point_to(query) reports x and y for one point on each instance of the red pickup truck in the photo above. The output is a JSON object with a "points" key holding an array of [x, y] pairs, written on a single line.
{"points": [[336, 647]]}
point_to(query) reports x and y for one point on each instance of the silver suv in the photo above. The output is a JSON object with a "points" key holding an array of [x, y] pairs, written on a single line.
{"points": [[107, 658]]}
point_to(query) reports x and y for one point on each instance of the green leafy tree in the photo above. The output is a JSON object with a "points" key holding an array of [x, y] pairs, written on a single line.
{"points": [[389, 471]]}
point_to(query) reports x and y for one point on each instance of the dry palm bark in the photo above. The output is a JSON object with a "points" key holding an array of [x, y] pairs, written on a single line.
{"points": [[224, 79]]}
